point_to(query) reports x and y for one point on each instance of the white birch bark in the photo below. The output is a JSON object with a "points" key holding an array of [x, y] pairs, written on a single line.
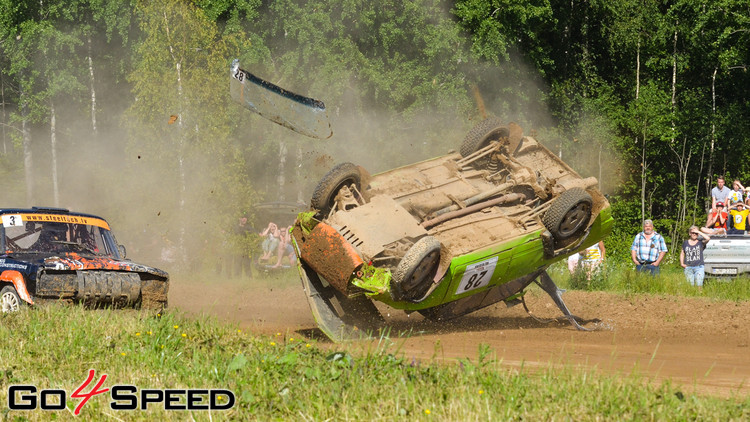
{"points": [[53, 149], [181, 142], [92, 88], [28, 161]]}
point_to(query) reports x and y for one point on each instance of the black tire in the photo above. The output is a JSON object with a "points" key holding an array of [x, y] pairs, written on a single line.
{"points": [[489, 129], [9, 299], [413, 275], [569, 214], [324, 194]]}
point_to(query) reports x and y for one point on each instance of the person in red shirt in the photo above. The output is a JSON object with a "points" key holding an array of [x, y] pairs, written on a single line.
{"points": [[716, 223]]}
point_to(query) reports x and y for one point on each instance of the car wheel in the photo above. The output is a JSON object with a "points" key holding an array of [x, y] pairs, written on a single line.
{"points": [[324, 195], [484, 132], [569, 214], [413, 275], [9, 299]]}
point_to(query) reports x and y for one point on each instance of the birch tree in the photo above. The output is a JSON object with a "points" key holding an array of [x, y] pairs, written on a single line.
{"points": [[180, 120]]}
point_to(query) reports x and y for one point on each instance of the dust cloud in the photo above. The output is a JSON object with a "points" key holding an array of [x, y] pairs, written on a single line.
{"points": [[176, 206]]}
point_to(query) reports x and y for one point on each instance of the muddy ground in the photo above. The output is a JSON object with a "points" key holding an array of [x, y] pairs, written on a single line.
{"points": [[699, 343]]}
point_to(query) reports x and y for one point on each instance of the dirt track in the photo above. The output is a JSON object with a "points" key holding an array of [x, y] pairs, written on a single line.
{"points": [[699, 343]]}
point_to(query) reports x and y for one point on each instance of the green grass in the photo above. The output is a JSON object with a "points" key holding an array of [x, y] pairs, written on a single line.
{"points": [[289, 378], [622, 278]]}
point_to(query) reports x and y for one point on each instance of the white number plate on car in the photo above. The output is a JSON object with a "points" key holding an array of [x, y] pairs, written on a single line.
{"points": [[725, 270], [477, 275]]}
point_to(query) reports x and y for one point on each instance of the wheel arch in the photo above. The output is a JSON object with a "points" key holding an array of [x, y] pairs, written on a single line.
{"points": [[15, 279]]}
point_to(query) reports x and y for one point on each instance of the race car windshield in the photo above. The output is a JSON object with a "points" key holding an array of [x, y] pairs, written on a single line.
{"points": [[57, 237]]}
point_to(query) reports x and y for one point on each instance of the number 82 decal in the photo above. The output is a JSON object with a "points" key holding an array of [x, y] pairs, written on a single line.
{"points": [[477, 275]]}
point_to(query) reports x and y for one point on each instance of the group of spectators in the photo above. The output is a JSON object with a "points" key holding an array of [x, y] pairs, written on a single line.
{"points": [[729, 209], [648, 248]]}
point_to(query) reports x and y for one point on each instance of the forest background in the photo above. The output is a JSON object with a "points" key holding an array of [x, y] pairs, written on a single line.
{"points": [[122, 108]]}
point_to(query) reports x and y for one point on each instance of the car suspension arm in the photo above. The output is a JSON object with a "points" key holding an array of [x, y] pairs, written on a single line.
{"points": [[545, 282]]}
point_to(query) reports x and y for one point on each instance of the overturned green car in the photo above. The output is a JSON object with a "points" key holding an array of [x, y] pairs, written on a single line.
{"points": [[446, 236]]}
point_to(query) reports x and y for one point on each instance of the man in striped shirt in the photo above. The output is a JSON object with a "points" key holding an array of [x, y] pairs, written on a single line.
{"points": [[648, 249]]}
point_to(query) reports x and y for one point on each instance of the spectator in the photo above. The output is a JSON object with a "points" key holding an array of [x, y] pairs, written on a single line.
{"points": [[591, 258], [648, 249], [737, 192], [271, 241], [573, 263], [716, 222], [738, 218], [285, 248], [691, 256], [719, 193]]}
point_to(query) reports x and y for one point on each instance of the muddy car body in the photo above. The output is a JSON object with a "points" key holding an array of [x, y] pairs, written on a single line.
{"points": [[445, 236], [52, 254]]}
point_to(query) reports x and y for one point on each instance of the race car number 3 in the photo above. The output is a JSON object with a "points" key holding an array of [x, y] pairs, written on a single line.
{"points": [[477, 275], [12, 221]]}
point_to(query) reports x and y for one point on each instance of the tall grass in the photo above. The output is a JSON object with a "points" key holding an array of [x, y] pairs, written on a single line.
{"points": [[284, 377], [623, 278]]}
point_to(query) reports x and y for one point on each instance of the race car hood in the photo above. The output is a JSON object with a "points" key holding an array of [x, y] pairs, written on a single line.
{"points": [[74, 261]]}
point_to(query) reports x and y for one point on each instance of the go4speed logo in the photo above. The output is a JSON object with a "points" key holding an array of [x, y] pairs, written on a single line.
{"points": [[122, 397]]}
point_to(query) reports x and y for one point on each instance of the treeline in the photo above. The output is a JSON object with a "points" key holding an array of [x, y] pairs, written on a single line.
{"points": [[122, 106]]}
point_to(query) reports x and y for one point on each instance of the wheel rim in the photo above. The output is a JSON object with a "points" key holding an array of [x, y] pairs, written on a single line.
{"points": [[423, 271], [334, 194], [575, 218], [10, 302]]}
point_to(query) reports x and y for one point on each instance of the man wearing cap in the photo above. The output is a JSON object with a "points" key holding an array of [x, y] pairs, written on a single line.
{"points": [[716, 223], [738, 218], [648, 249]]}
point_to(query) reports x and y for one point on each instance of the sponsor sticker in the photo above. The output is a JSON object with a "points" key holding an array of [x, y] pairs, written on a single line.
{"points": [[17, 220]]}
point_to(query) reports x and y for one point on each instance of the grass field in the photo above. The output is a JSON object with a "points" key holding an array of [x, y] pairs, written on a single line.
{"points": [[620, 277], [286, 378]]}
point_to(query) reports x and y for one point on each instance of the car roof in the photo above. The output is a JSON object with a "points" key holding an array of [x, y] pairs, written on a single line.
{"points": [[46, 210]]}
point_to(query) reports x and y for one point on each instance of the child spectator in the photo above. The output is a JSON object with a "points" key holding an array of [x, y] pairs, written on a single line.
{"points": [[737, 193], [591, 257], [716, 223], [738, 218]]}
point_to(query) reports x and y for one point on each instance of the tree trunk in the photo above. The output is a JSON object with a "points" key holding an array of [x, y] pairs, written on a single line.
{"points": [[643, 147], [27, 156], [644, 164], [5, 120], [92, 89], [280, 179], [682, 162], [53, 149], [182, 143], [698, 183], [709, 179], [638, 70]]}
